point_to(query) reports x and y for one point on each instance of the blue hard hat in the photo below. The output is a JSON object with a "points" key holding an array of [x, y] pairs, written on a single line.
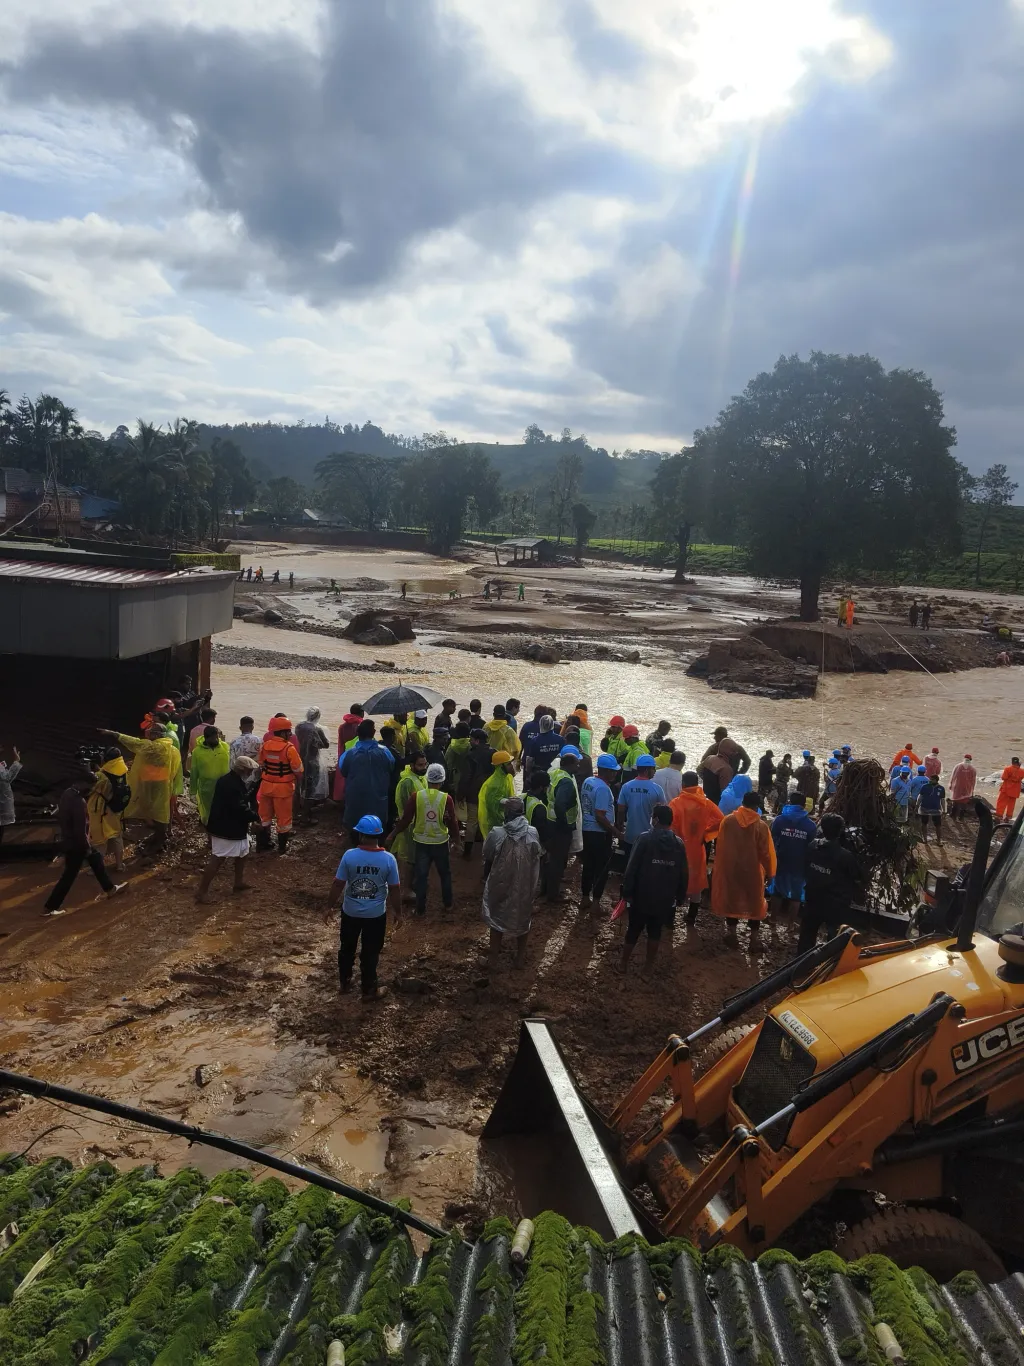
{"points": [[608, 761], [807, 754], [369, 825], [569, 751], [646, 761], [921, 768], [837, 753]]}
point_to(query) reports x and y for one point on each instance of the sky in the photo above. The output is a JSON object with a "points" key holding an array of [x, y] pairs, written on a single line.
{"points": [[447, 214]]}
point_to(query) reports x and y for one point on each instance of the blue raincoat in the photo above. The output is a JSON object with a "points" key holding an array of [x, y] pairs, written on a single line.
{"points": [[733, 795], [366, 768]]}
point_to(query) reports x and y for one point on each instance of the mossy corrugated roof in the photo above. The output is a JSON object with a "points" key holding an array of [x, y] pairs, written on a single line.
{"points": [[132, 1267]]}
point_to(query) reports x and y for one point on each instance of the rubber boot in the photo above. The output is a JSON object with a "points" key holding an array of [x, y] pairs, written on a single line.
{"points": [[282, 841], [263, 842]]}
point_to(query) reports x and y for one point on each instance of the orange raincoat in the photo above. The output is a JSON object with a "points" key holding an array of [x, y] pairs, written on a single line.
{"points": [[695, 819], [744, 860]]}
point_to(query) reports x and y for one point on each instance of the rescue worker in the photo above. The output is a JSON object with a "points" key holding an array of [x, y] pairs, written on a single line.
{"points": [[792, 831], [542, 747], [655, 882], [512, 860], [835, 883], [430, 812], [783, 776], [155, 769], [563, 815], [105, 804], [663, 751], [280, 766], [599, 829], [731, 751], [413, 780], [399, 723], [905, 756], [932, 762], [1009, 790], [931, 805], [808, 780], [918, 782], [766, 773], [899, 787], [657, 736], [635, 803], [368, 885], [613, 742], [501, 736], [634, 748], [211, 759], [417, 736], [744, 862], [494, 791], [535, 803]]}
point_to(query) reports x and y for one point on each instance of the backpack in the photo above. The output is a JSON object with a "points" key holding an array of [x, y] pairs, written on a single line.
{"points": [[120, 793]]}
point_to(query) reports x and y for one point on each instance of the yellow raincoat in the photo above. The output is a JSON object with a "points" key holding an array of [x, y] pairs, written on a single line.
{"points": [[105, 824], [207, 766], [494, 791], [500, 735], [156, 767], [402, 846]]}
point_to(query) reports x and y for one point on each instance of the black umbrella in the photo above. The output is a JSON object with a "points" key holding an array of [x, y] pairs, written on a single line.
{"points": [[401, 698]]}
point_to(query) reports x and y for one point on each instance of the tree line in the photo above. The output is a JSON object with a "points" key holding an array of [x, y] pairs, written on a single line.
{"points": [[820, 467]]}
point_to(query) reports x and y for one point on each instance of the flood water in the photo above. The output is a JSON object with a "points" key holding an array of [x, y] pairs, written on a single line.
{"points": [[978, 711]]}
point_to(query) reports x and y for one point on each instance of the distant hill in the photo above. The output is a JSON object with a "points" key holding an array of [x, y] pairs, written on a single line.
{"points": [[273, 449]]}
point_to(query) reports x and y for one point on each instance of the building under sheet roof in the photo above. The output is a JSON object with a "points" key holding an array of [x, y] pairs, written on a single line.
{"points": [[143, 1268]]}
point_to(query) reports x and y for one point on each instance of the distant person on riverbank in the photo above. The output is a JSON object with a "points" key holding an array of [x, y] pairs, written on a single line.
{"points": [[73, 818], [850, 605], [905, 756], [731, 751], [276, 576], [259, 574], [657, 735], [932, 762], [913, 615], [521, 595], [1009, 790], [841, 611], [8, 773], [926, 616], [368, 885], [405, 587], [766, 772], [291, 579], [783, 777], [447, 715], [962, 782], [744, 862]]}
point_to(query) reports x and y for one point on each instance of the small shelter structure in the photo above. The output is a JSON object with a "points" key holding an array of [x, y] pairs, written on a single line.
{"points": [[526, 550]]}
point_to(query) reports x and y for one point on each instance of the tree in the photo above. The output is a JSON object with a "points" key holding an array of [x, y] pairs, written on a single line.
{"points": [[231, 486], [565, 485], [676, 498], [283, 498], [438, 485], [583, 519], [534, 435], [829, 463], [359, 487], [990, 491]]}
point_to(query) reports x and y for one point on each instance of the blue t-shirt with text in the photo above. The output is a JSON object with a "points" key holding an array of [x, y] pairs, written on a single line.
{"points": [[367, 875], [639, 797], [596, 795]]}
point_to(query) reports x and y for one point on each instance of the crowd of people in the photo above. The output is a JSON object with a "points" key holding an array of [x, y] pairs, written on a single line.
{"points": [[540, 797]]}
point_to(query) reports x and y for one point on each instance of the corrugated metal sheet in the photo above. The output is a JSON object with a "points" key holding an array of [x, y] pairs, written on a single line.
{"points": [[87, 575], [178, 1270]]}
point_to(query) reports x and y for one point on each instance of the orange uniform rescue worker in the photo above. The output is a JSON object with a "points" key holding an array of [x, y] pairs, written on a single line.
{"points": [[695, 819], [1009, 790], [280, 765]]}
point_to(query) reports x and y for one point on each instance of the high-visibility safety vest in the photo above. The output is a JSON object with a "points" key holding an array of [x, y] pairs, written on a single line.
{"points": [[633, 752], [559, 775], [278, 757], [418, 735], [617, 745], [531, 806], [429, 826]]}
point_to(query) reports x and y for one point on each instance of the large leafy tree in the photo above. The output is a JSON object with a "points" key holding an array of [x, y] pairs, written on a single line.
{"points": [[677, 492], [990, 491], [231, 484], [440, 484], [832, 463], [564, 488], [359, 488]]}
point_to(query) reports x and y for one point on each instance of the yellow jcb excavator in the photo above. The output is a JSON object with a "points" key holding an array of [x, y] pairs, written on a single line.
{"points": [[885, 1091]]}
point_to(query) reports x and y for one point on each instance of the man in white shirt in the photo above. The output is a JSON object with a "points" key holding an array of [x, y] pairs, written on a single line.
{"points": [[670, 779]]}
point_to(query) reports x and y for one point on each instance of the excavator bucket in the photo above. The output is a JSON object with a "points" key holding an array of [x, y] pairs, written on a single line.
{"points": [[552, 1145]]}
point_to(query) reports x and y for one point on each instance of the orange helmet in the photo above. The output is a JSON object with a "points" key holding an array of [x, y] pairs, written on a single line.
{"points": [[279, 724], [630, 733]]}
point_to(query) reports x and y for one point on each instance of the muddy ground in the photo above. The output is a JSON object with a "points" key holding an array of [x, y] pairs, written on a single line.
{"points": [[229, 1017]]}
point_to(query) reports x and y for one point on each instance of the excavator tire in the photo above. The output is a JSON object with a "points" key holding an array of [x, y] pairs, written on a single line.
{"points": [[940, 1243], [721, 1043]]}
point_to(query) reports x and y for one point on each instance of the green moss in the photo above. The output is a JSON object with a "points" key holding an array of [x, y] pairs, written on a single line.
{"points": [[493, 1327], [27, 1188], [213, 1241], [431, 1306], [582, 1345], [499, 1228], [852, 1348], [965, 1284], [661, 1259], [542, 1300], [311, 1338], [901, 1303], [724, 1254], [776, 1256], [364, 1333], [60, 1220]]}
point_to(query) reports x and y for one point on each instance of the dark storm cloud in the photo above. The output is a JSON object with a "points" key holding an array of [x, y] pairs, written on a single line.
{"points": [[336, 160], [887, 216]]}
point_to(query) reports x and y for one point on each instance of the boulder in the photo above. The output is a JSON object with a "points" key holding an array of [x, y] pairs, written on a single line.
{"points": [[241, 609], [376, 635], [398, 627], [271, 616], [542, 654]]}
